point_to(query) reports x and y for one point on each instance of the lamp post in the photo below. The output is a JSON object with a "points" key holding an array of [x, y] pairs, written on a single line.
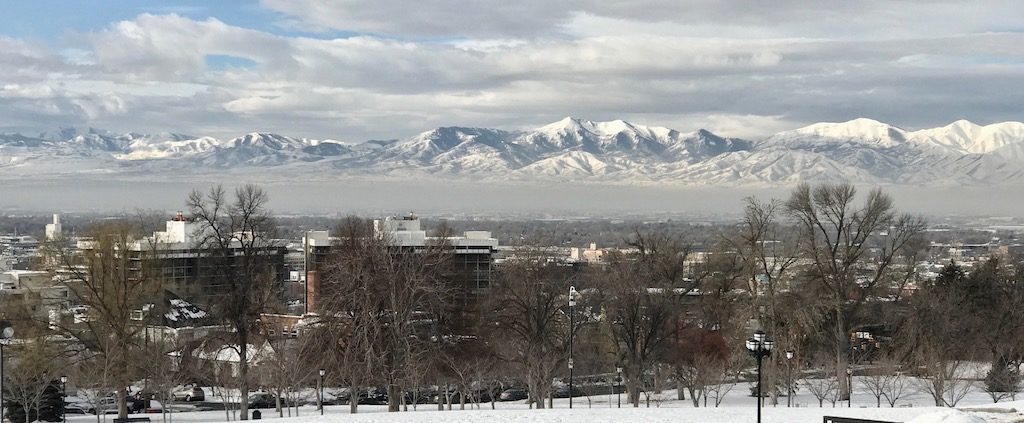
{"points": [[789, 377], [572, 324], [759, 347], [63, 399], [618, 382], [849, 395], [322, 373], [6, 333]]}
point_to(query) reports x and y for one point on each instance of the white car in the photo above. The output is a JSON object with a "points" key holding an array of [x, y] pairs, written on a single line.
{"points": [[189, 394]]}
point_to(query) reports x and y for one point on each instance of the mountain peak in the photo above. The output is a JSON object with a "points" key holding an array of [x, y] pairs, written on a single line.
{"points": [[567, 124], [963, 123], [860, 129]]}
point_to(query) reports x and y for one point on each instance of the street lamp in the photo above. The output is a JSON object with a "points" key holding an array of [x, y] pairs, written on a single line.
{"points": [[322, 373], [618, 382], [789, 377], [572, 324], [759, 347], [6, 333], [849, 394], [63, 398]]}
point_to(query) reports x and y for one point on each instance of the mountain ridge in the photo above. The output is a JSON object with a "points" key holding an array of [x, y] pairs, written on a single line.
{"points": [[570, 150]]}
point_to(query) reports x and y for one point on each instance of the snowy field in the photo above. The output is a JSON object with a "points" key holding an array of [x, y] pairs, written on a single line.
{"points": [[736, 408]]}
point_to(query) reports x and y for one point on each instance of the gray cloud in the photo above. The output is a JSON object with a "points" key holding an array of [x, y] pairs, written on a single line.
{"points": [[533, 18]]}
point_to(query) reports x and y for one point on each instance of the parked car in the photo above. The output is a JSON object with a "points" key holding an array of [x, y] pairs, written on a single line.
{"points": [[374, 396], [513, 394], [108, 405], [562, 391], [73, 408], [423, 396], [262, 400], [189, 394]]}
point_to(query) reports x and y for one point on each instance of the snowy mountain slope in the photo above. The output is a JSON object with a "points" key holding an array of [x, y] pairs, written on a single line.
{"points": [[571, 149], [169, 146], [1005, 139]]}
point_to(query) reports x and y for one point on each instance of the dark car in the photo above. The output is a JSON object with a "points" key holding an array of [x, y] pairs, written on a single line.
{"points": [[562, 391], [423, 396], [262, 400]]}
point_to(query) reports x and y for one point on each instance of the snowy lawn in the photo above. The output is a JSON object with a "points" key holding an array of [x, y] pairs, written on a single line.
{"points": [[737, 407], [597, 415], [669, 412]]}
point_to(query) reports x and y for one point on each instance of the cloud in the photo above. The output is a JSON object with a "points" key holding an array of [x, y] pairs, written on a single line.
{"points": [[660, 64], [741, 18]]}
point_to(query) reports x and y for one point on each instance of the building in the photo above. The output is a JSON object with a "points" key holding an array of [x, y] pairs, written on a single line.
{"points": [[473, 253], [32, 291], [175, 259], [587, 255], [53, 230]]}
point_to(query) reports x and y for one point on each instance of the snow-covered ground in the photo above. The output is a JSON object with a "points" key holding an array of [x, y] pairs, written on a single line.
{"points": [[737, 407]]}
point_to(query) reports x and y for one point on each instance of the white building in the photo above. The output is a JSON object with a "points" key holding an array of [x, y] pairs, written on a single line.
{"points": [[53, 230], [405, 231]]}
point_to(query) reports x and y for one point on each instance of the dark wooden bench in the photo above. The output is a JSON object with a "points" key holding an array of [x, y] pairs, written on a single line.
{"points": [[831, 419], [132, 419]]}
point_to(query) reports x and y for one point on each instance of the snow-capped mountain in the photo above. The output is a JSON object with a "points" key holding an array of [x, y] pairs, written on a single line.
{"points": [[571, 149]]}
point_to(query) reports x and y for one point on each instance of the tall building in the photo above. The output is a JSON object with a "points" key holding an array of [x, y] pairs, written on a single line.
{"points": [[472, 264], [53, 230], [175, 259]]}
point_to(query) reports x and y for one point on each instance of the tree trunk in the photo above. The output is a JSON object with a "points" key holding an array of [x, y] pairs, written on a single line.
{"points": [[122, 406], [842, 347], [680, 390], [277, 403], [243, 373], [393, 398], [537, 396], [353, 399]]}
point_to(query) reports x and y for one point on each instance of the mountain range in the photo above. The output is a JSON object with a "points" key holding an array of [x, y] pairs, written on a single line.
{"points": [[572, 149]]}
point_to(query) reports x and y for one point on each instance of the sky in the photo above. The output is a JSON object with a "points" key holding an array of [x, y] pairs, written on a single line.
{"points": [[356, 70]]}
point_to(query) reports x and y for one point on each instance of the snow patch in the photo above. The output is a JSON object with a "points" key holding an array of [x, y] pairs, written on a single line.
{"points": [[947, 416]]}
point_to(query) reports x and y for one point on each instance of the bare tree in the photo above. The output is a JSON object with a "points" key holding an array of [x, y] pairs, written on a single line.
{"points": [[641, 299], [824, 385], [91, 373], [387, 301], [102, 274], [877, 379], [529, 308], [934, 341], [162, 373], [293, 362], [896, 387], [852, 250], [36, 366], [238, 235]]}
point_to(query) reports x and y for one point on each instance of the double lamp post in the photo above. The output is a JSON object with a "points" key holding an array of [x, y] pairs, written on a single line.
{"points": [[759, 346]]}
